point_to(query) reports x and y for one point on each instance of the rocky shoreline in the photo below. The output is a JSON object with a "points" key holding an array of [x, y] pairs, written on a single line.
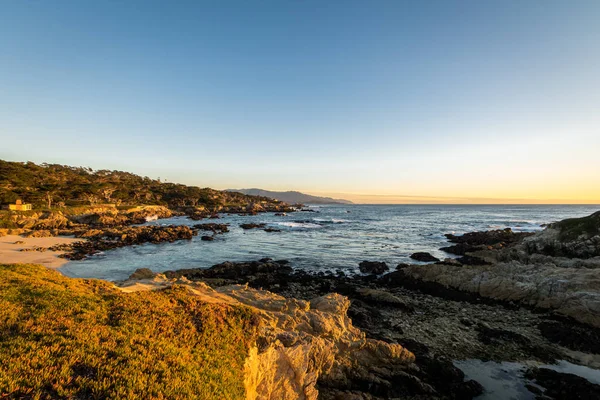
{"points": [[499, 296], [507, 297]]}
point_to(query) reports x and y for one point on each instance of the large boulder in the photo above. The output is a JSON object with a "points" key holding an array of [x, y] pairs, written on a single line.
{"points": [[424, 257], [373, 267]]}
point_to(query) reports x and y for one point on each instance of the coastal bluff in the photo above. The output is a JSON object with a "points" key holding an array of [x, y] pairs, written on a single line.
{"points": [[152, 336], [298, 342]]}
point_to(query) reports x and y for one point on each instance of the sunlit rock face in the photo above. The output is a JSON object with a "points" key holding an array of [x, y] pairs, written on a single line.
{"points": [[300, 342]]}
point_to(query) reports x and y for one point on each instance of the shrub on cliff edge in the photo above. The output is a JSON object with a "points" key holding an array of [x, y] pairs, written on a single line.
{"points": [[78, 338]]}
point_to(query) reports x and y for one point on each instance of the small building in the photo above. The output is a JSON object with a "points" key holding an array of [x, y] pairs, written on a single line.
{"points": [[19, 206]]}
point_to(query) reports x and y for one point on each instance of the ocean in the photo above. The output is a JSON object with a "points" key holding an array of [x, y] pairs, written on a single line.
{"points": [[332, 237]]}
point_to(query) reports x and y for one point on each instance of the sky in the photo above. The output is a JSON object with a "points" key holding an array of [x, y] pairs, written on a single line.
{"points": [[374, 101]]}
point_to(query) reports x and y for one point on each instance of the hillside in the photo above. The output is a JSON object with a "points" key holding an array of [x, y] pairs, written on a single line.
{"points": [[291, 197], [52, 185]]}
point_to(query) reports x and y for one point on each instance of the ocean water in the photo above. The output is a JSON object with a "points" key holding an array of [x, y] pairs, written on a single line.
{"points": [[506, 381], [331, 238]]}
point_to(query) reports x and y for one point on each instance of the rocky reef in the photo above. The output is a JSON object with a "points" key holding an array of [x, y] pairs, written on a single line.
{"points": [[112, 238]]}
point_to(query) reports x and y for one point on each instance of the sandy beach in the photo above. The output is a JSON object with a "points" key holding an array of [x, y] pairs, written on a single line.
{"points": [[10, 250]]}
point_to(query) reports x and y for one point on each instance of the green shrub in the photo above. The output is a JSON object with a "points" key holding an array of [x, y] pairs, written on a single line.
{"points": [[75, 338]]}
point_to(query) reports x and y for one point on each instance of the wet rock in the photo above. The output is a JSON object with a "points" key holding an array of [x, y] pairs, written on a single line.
{"points": [[447, 378], [272, 230], [207, 238], [488, 238], [571, 334], [560, 385], [252, 226], [112, 238], [213, 227], [461, 249], [424, 257], [265, 271], [373, 267]]}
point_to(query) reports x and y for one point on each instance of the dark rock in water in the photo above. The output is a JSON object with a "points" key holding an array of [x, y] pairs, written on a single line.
{"points": [[373, 267], [280, 214], [265, 270], [447, 378], [461, 249], [489, 238], [402, 265], [207, 238], [213, 227], [560, 385], [424, 257], [112, 238], [271, 230], [252, 226], [142, 273]]}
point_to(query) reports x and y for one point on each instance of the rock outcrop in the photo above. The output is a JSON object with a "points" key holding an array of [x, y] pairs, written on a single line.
{"points": [[556, 269], [424, 257], [301, 343], [430, 376], [373, 267]]}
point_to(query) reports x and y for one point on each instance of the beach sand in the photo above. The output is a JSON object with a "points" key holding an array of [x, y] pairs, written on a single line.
{"points": [[10, 252]]}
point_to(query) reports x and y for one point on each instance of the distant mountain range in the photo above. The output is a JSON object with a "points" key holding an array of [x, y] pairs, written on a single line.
{"points": [[291, 196]]}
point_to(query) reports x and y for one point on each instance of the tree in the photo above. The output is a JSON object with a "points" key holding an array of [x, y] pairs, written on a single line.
{"points": [[49, 197], [107, 193]]}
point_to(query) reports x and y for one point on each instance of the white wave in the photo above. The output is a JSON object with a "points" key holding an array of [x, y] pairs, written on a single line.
{"points": [[331, 221], [306, 225]]}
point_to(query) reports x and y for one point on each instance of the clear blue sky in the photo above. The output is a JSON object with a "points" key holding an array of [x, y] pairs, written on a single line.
{"points": [[431, 98]]}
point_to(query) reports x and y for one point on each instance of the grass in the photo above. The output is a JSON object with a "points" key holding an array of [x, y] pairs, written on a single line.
{"points": [[63, 338], [572, 228]]}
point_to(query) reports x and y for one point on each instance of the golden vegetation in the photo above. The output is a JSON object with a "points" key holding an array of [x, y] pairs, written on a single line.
{"points": [[76, 338]]}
